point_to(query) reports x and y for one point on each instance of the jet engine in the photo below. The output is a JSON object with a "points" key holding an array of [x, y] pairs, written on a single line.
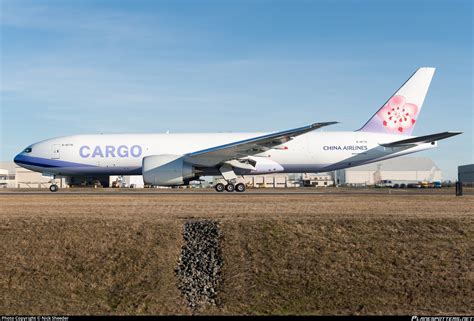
{"points": [[166, 170]]}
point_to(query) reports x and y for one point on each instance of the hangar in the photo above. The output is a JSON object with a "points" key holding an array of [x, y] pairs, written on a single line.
{"points": [[466, 174], [14, 176], [7, 174], [397, 170]]}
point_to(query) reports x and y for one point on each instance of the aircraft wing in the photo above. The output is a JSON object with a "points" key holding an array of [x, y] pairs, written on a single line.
{"points": [[421, 139], [219, 154]]}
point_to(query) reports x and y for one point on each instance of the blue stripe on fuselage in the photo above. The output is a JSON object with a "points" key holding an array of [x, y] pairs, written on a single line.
{"points": [[44, 162]]}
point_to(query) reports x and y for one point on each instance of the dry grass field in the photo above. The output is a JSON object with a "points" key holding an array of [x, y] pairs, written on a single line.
{"points": [[282, 253]]}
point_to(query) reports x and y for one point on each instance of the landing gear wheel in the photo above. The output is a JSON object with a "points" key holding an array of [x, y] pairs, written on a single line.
{"points": [[53, 188], [230, 187], [240, 187], [219, 187]]}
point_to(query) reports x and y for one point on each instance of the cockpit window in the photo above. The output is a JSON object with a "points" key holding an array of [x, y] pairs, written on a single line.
{"points": [[27, 150]]}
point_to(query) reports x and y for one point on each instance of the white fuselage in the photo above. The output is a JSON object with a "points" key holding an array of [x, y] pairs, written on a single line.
{"points": [[122, 154]]}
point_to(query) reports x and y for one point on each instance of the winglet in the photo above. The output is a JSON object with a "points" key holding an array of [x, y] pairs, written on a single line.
{"points": [[324, 124]]}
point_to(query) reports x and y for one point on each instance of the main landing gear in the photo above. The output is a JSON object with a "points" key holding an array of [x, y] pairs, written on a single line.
{"points": [[230, 187], [219, 187], [229, 176]]}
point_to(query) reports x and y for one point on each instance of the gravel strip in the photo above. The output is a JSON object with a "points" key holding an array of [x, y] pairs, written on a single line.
{"points": [[199, 266]]}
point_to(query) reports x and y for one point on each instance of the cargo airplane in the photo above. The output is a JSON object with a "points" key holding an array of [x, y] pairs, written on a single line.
{"points": [[177, 159]]}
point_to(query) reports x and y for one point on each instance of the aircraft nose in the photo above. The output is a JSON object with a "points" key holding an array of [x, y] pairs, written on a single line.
{"points": [[16, 159]]}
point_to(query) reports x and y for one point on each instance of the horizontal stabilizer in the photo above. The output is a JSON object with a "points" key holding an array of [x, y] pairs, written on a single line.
{"points": [[421, 139]]}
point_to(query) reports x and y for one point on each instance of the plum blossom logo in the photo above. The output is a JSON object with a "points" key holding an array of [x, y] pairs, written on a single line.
{"points": [[398, 115]]}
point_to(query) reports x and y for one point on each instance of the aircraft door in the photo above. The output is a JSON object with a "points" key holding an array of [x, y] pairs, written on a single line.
{"points": [[55, 151]]}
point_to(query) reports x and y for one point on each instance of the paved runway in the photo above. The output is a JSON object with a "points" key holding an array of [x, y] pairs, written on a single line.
{"points": [[427, 192]]}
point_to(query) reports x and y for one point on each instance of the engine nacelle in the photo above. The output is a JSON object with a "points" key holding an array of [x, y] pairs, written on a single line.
{"points": [[166, 170]]}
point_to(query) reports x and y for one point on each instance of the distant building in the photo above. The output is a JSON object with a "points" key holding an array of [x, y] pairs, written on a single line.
{"points": [[317, 180], [25, 178], [397, 170], [282, 180], [14, 176], [271, 180], [7, 175], [466, 174], [134, 181]]}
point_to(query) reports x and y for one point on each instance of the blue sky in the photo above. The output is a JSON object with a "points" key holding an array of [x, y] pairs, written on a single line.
{"points": [[71, 67]]}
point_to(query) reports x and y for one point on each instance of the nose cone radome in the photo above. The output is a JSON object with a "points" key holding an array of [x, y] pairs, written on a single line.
{"points": [[16, 159]]}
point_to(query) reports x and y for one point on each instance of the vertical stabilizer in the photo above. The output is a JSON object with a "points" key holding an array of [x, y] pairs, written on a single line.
{"points": [[400, 113]]}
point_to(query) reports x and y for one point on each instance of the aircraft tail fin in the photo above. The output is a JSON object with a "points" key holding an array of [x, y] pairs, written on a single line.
{"points": [[400, 113]]}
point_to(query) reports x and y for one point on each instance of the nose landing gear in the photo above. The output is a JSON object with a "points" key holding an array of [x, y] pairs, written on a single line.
{"points": [[53, 187]]}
